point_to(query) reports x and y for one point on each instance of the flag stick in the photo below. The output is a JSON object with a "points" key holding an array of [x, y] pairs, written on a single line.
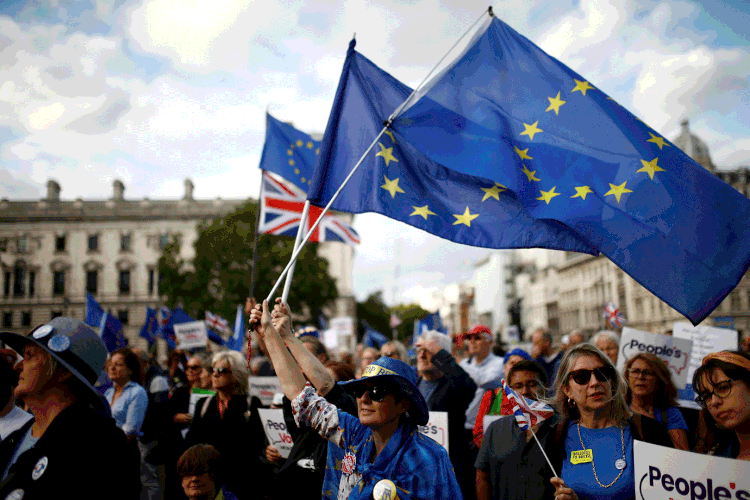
{"points": [[543, 452], [255, 237], [300, 233], [290, 265]]}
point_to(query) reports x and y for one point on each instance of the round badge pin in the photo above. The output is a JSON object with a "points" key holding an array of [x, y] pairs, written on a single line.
{"points": [[59, 343], [385, 489], [39, 468], [349, 463], [620, 464], [43, 331], [15, 495]]}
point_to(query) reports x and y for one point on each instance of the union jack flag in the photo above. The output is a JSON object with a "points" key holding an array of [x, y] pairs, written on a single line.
{"points": [[614, 317], [216, 322], [281, 211], [526, 411]]}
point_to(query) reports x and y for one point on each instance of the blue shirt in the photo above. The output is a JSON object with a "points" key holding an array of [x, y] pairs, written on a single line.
{"points": [[675, 420], [606, 446], [130, 408]]}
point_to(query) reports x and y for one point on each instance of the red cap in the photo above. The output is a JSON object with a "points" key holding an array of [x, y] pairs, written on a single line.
{"points": [[477, 329]]}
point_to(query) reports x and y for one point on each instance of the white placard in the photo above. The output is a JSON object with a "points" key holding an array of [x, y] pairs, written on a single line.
{"points": [[330, 339], [191, 335], [197, 395], [276, 431], [664, 473], [264, 388], [706, 339], [437, 428], [674, 351]]}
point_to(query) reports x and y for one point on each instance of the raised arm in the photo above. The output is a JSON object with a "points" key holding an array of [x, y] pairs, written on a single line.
{"points": [[290, 376], [310, 365]]}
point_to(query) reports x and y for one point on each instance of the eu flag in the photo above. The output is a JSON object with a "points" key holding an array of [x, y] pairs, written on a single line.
{"points": [[398, 181], [290, 153], [150, 326], [179, 316], [109, 327], [508, 112]]}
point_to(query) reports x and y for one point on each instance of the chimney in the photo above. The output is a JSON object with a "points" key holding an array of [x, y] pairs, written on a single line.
{"points": [[189, 186], [118, 190], [53, 190], [684, 124]]}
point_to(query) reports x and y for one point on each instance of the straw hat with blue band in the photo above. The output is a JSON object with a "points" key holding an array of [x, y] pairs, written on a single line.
{"points": [[400, 375], [73, 344]]}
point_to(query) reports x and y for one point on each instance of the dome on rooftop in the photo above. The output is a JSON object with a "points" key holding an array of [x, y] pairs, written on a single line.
{"points": [[694, 147]]}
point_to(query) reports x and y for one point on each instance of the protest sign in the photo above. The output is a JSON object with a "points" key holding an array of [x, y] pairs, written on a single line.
{"points": [[437, 428], [665, 473], [191, 335], [276, 431], [264, 388], [675, 352], [197, 394]]}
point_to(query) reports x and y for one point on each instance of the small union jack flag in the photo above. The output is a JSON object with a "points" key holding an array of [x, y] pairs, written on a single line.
{"points": [[216, 322], [281, 211], [526, 411], [614, 317]]}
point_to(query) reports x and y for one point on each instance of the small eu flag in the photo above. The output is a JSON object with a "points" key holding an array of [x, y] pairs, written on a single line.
{"points": [[290, 153]]}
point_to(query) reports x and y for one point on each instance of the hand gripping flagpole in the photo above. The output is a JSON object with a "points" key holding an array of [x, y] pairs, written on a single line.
{"points": [[387, 125]]}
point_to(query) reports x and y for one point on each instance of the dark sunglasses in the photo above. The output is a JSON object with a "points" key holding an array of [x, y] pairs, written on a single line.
{"points": [[222, 371], [603, 374], [377, 392], [194, 367]]}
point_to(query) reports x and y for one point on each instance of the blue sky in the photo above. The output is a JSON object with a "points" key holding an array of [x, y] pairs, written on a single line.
{"points": [[154, 91]]}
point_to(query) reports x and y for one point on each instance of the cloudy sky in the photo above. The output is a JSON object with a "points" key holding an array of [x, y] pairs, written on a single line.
{"points": [[154, 91]]}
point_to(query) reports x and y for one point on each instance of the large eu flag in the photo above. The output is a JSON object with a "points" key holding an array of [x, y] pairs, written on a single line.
{"points": [[398, 181], [289, 152], [507, 111], [110, 328]]}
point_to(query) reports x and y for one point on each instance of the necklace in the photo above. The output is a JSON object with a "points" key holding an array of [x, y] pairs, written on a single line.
{"points": [[620, 464]]}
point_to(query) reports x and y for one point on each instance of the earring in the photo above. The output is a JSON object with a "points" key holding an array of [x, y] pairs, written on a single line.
{"points": [[571, 402]]}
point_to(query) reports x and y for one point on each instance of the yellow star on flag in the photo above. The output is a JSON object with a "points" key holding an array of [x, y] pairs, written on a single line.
{"points": [[493, 192], [523, 153], [390, 134], [310, 145], [618, 191], [387, 154], [581, 86], [650, 167], [423, 211], [289, 152], [548, 195], [296, 171], [392, 186], [554, 104], [317, 151], [531, 129], [299, 143], [465, 218], [530, 173], [659, 141], [582, 191], [303, 180], [291, 162]]}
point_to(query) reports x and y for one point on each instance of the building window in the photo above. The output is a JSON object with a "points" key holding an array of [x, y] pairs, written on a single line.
{"points": [[32, 283], [163, 241], [58, 283], [125, 240], [92, 281], [122, 315], [60, 243], [93, 243], [125, 282], [6, 283], [151, 281], [55, 314], [26, 318], [3, 244], [734, 299], [7, 319], [19, 276], [23, 244]]}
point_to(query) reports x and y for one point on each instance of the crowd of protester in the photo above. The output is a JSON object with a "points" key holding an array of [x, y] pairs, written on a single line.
{"points": [[120, 425]]}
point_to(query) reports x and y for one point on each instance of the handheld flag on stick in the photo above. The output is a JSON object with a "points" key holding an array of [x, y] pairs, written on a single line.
{"points": [[614, 316], [150, 326], [216, 322], [110, 328], [238, 337]]}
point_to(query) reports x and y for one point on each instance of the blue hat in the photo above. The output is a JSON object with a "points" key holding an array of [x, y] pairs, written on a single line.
{"points": [[518, 352], [400, 374], [307, 331]]}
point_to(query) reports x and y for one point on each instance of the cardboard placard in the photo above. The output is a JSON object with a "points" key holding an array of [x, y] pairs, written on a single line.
{"points": [[674, 351], [264, 388], [437, 428], [276, 431], [191, 335]]}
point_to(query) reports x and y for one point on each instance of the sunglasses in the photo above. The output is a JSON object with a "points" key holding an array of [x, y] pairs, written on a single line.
{"points": [[603, 374], [194, 367], [222, 371], [377, 392]]}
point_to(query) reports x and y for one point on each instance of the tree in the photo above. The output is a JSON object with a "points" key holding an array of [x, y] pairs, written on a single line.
{"points": [[218, 278], [374, 313], [408, 313]]}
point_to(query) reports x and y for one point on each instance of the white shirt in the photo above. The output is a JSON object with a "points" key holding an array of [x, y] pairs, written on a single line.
{"points": [[488, 374], [14, 420]]}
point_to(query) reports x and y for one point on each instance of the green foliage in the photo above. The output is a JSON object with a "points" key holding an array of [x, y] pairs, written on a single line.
{"points": [[409, 313], [374, 311], [219, 277]]}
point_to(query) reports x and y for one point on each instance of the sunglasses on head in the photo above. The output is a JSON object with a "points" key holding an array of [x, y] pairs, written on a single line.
{"points": [[603, 374], [377, 392]]}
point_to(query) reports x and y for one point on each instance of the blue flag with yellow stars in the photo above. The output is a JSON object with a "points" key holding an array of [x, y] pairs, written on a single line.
{"points": [[290, 153], [398, 181], [508, 112]]}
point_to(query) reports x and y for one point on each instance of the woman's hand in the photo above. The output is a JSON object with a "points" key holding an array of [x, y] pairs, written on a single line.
{"points": [[250, 303], [562, 492], [272, 455], [260, 316], [282, 319]]}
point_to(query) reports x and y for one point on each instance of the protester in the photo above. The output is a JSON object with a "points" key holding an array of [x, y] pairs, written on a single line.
{"points": [[485, 369], [510, 462], [542, 352], [396, 350], [652, 393], [11, 416], [340, 371], [574, 338], [369, 355], [608, 342], [722, 383], [221, 422], [260, 365], [200, 471], [745, 343], [316, 347], [384, 443], [590, 398], [447, 387], [176, 367], [72, 448]]}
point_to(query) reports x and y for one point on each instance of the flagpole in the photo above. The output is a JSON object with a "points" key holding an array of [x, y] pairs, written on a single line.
{"points": [[255, 237], [387, 125], [543, 452], [298, 239]]}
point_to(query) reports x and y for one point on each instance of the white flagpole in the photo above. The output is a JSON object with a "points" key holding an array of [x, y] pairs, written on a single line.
{"points": [[290, 265], [543, 452], [300, 233]]}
